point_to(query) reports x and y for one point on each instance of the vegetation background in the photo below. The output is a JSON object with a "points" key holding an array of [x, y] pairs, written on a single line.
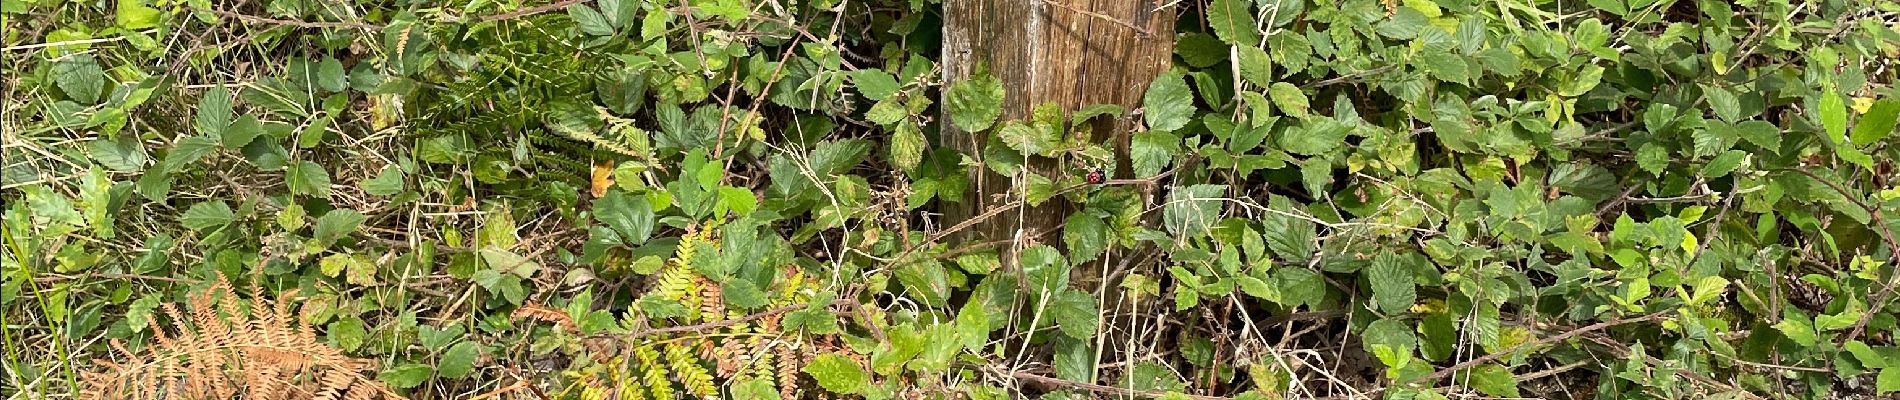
{"points": [[752, 199]]}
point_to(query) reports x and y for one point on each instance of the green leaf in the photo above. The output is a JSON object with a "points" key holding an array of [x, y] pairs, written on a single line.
{"points": [[1075, 313], [1151, 151], [1086, 236], [874, 84], [1299, 286], [1233, 21], [1723, 164], [308, 178], [1586, 79], [123, 154], [1168, 104], [1321, 136], [1495, 380], [1761, 134], [330, 75], [1191, 210], [1448, 66], [1796, 327], [1288, 236], [1877, 123], [1391, 340], [1868, 357], [406, 376], [388, 182], [1724, 103], [1289, 99], [337, 223], [214, 111], [80, 78], [1833, 112], [590, 21], [1026, 138], [136, 15], [1255, 65], [654, 24], [1888, 381], [242, 131], [1652, 157], [347, 333], [753, 389], [838, 373], [1393, 288], [975, 103], [459, 360], [206, 215]]}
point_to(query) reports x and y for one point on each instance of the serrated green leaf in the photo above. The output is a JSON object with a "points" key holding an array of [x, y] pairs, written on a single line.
{"points": [[590, 21], [1288, 99], [1255, 65], [874, 84], [337, 223], [1877, 123], [1075, 313], [1152, 151], [406, 376], [975, 103], [214, 111], [1233, 21], [1833, 113], [1723, 164], [308, 178], [242, 131], [459, 360], [80, 78], [1724, 102], [1168, 104], [1495, 380], [838, 373], [388, 182], [1393, 288], [206, 215], [1191, 210], [1086, 236]]}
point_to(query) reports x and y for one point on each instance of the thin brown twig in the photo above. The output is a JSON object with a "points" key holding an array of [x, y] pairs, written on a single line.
{"points": [[1447, 371]]}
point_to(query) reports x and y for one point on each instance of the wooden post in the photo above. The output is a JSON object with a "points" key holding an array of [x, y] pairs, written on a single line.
{"points": [[1073, 53]]}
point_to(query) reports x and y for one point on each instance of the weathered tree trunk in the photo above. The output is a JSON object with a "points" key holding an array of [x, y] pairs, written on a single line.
{"points": [[1073, 53]]}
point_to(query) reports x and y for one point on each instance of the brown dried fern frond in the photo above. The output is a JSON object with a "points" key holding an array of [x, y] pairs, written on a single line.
{"points": [[547, 314], [216, 352]]}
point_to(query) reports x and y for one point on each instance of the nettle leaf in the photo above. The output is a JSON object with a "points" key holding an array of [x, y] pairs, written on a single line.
{"points": [[974, 103], [1191, 210], [1393, 288], [1233, 21], [1168, 105], [1877, 122]]}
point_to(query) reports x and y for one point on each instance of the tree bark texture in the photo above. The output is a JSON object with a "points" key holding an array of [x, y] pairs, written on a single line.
{"points": [[1072, 53]]}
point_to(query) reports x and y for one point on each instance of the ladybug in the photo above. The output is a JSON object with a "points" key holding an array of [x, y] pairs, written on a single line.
{"points": [[1097, 177]]}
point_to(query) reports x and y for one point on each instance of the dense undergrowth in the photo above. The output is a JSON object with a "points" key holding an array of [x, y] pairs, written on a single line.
{"points": [[619, 199]]}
